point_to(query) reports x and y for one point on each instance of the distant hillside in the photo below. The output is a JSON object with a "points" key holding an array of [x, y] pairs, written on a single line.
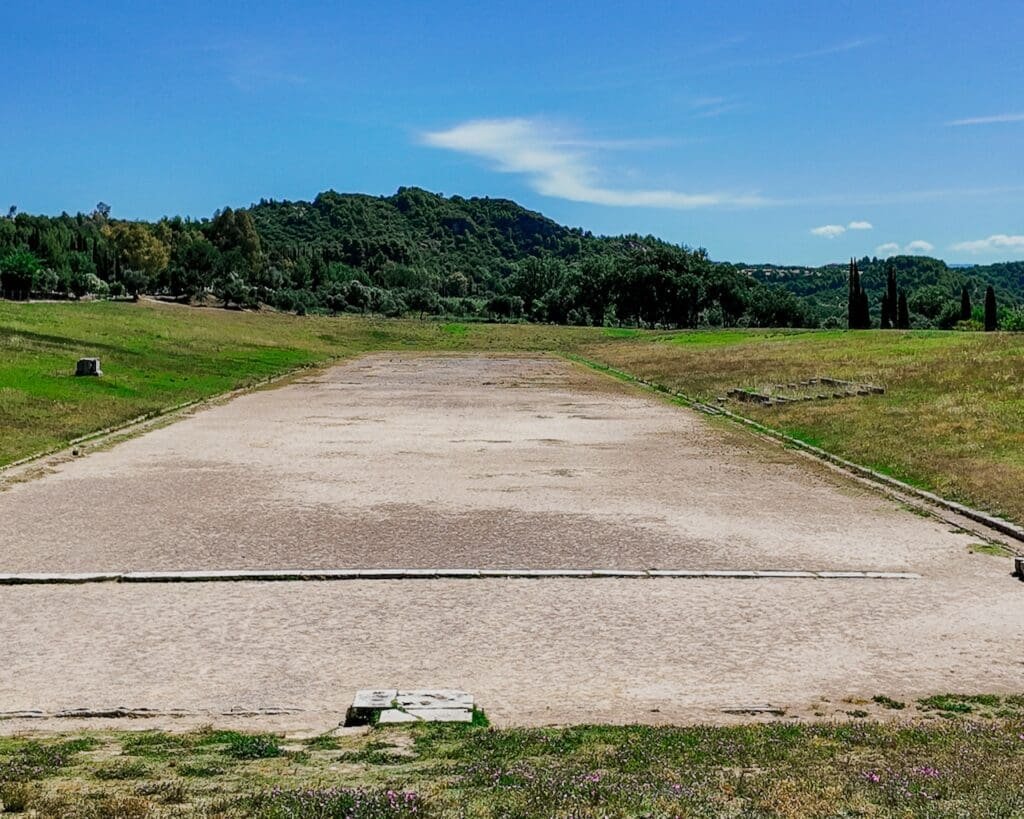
{"points": [[424, 253]]}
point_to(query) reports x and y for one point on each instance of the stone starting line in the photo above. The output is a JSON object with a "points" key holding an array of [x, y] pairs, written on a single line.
{"points": [[281, 575]]}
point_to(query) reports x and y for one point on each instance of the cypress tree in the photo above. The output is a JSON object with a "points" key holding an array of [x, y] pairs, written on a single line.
{"points": [[991, 319], [965, 304], [865, 311], [852, 303], [886, 322], [890, 305], [903, 312], [858, 310]]}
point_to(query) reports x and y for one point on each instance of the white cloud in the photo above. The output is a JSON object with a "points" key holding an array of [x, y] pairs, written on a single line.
{"points": [[993, 244], [919, 246], [831, 231], [559, 165], [828, 231], [997, 118], [893, 249]]}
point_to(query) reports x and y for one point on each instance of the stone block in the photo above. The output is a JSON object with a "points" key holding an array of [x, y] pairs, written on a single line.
{"points": [[1018, 565], [88, 366]]}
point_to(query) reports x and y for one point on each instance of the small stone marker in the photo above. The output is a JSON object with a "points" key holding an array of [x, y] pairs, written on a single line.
{"points": [[393, 707], [1018, 565], [88, 366]]}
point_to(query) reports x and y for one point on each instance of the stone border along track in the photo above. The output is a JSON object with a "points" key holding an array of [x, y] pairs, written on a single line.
{"points": [[278, 575], [927, 501]]}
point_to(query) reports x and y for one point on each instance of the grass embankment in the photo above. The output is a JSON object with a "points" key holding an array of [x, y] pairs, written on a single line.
{"points": [[156, 356], [951, 419], [965, 765]]}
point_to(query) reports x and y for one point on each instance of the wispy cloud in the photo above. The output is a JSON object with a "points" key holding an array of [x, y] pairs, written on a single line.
{"points": [[710, 107], [893, 249], [781, 57], [252, 65], [562, 165], [836, 48], [990, 120], [996, 243], [831, 231]]}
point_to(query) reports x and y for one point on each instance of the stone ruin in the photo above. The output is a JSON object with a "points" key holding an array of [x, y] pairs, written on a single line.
{"points": [[389, 706], [813, 389], [88, 366]]}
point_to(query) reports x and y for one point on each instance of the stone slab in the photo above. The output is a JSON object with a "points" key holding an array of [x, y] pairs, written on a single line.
{"points": [[373, 698], [442, 714], [392, 716], [434, 699]]}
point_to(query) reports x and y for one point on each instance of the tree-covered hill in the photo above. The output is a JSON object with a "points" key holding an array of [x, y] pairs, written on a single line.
{"points": [[423, 253]]}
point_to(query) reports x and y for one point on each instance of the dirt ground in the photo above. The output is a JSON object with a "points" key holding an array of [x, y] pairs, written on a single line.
{"points": [[455, 463], [409, 461]]}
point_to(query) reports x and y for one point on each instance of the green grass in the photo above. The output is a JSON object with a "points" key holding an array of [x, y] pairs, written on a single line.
{"points": [[963, 765], [993, 549]]}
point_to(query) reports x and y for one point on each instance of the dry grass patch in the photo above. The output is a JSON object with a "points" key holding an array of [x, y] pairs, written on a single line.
{"points": [[951, 419]]}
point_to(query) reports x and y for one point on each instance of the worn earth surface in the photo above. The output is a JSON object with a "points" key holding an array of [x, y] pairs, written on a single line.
{"points": [[482, 462]]}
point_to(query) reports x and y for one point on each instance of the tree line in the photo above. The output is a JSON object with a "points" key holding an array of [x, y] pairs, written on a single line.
{"points": [[894, 312], [412, 253]]}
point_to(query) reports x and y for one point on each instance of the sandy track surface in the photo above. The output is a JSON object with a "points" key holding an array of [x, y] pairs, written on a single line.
{"points": [[532, 651], [457, 463], [478, 462]]}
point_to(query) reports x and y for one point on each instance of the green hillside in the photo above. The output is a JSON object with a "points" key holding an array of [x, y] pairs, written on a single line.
{"points": [[420, 253]]}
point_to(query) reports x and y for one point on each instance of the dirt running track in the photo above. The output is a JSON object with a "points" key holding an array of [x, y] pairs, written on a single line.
{"points": [[477, 463]]}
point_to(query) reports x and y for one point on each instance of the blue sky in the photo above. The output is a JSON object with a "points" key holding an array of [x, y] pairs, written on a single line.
{"points": [[769, 131]]}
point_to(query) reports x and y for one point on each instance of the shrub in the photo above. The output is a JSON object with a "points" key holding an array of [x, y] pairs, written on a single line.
{"points": [[251, 746], [122, 769]]}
